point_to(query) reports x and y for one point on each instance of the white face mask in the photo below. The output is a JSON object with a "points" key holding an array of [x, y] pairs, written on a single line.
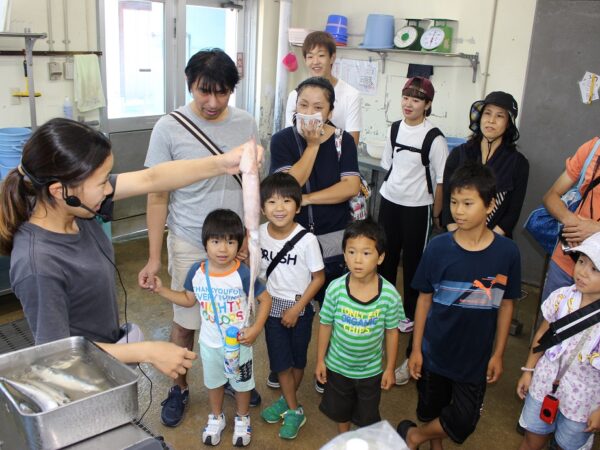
{"points": [[306, 119]]}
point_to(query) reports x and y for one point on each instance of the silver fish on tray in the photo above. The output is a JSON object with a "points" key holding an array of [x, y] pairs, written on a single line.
{"points": [[63, 379], [42, 396]]}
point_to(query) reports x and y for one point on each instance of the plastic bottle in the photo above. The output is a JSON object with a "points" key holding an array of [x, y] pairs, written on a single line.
{"points": [[67, 108], [232, 352]]}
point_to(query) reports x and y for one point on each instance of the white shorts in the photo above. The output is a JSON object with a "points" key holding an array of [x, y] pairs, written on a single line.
{"points": [[181, 256]]}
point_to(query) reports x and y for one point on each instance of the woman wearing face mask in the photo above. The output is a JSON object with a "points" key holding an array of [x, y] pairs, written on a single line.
{"points": [[493, 144], [324, 161]]}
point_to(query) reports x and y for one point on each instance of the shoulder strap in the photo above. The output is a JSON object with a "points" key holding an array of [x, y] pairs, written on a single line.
{"points": [[569, 325], [425, 149], [189, 125], [287, 247], [394, 133], [393, 136], [587, 163], [212, 300]]}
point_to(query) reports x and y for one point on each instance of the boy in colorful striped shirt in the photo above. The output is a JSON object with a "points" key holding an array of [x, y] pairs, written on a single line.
{"points": [[361, 310]]}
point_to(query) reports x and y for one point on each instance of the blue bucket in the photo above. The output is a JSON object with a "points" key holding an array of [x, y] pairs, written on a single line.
{"points": [[379, 32], [10, 161], [4, 170], [19, 134], [454, 142], [337, 26], [10, 150], [337, 20]]}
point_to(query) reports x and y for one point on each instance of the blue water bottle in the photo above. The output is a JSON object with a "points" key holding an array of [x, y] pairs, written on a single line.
{"points": [[232, 352]]}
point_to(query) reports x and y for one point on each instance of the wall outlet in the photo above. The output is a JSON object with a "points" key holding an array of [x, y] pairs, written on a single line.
{"points": [[14, 100]]}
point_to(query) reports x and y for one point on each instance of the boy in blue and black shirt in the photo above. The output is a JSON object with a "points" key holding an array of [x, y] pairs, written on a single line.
{"points": [[467, 281]]}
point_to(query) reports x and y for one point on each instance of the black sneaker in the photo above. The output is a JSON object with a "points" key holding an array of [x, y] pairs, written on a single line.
{"points": [[173, 407], [273, 380], [255, 398], [319, 387]]}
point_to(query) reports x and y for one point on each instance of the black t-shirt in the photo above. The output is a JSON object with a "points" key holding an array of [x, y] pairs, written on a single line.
{"points": [[327, 171]]}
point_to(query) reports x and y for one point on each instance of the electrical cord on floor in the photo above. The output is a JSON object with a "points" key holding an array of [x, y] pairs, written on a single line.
{"points": [[125, 298]]}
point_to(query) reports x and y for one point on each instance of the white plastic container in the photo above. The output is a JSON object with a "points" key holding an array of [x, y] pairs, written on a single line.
{"points": [[375, 149]]}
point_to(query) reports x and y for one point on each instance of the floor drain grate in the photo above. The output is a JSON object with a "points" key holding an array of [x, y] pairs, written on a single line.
{"points": [[15, 336]]}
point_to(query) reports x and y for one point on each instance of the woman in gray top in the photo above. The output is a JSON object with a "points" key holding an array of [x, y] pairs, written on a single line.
{"points": [[62, 263]]}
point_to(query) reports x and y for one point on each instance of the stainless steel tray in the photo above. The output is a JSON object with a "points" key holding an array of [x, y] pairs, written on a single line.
{"points": [[74, 421]]}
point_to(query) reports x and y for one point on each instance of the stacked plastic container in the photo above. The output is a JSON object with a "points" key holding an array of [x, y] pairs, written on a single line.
{"points": [[11, 148], [337, 26]]}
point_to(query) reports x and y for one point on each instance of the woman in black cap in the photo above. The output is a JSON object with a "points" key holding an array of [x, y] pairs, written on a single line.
{"points": [[493, 143]]}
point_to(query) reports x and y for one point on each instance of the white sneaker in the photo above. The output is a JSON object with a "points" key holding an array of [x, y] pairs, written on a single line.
{"points": [[406, 326], [402, 373], [242, 431], [213, 429]]}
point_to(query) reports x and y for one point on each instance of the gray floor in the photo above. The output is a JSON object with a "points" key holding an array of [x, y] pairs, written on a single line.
{"points": [[496, 429]]}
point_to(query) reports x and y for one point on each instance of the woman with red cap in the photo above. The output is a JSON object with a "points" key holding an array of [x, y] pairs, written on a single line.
{"points": [[411, 196], [493, 143]]}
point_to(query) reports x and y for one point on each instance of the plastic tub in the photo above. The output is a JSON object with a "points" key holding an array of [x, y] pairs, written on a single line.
{"points": [[10, 160], [11, 135], [4, 170], [454, 142], [337, 26], [375, 149], [7, 149], [379, 32]]}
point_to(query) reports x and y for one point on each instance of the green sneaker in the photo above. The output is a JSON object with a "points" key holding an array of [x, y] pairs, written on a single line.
{"points": [[293, 419], [273, 413]]}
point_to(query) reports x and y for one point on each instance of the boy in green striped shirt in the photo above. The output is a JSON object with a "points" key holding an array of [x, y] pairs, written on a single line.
{"points": [[361, 310]]}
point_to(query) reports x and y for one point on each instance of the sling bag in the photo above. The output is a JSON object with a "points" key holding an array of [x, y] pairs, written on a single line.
{"points": [[569, 325], [189, 125], [424, 150], [287, 247], [543, 226]]}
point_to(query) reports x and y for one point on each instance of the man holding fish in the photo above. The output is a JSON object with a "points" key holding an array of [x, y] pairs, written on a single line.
{"points": [[205, 126]]}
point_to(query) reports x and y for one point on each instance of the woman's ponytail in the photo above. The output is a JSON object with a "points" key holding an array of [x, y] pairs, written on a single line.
{"points": [[17, 197]]}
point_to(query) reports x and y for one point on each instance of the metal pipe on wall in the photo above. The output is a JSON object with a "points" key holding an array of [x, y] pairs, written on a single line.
{"points": [[66, 23], [50, 34], [489, 49], [285, 14]]}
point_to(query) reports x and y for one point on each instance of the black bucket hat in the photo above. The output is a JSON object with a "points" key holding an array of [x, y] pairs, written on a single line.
{"points": [[498, 98]]}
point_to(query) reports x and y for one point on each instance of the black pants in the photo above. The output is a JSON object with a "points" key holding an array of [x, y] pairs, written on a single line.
{"points": [[407, 229]]}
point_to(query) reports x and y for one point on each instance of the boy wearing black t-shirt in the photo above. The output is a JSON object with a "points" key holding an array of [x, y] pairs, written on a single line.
{"points": [[466, 282]]}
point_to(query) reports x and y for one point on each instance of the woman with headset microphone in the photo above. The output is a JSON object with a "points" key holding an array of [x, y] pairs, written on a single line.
{"points": [[62, 263]]}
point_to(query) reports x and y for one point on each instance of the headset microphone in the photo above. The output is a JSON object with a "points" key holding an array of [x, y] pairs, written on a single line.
{"points": [[74, 201]]}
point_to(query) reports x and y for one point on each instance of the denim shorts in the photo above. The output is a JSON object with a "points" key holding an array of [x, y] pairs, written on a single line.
{"points": [[568, 434], [213, 367], [287, 347]]}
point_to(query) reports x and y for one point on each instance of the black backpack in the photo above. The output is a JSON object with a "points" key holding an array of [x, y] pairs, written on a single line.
{"points": [[424, 151]]}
